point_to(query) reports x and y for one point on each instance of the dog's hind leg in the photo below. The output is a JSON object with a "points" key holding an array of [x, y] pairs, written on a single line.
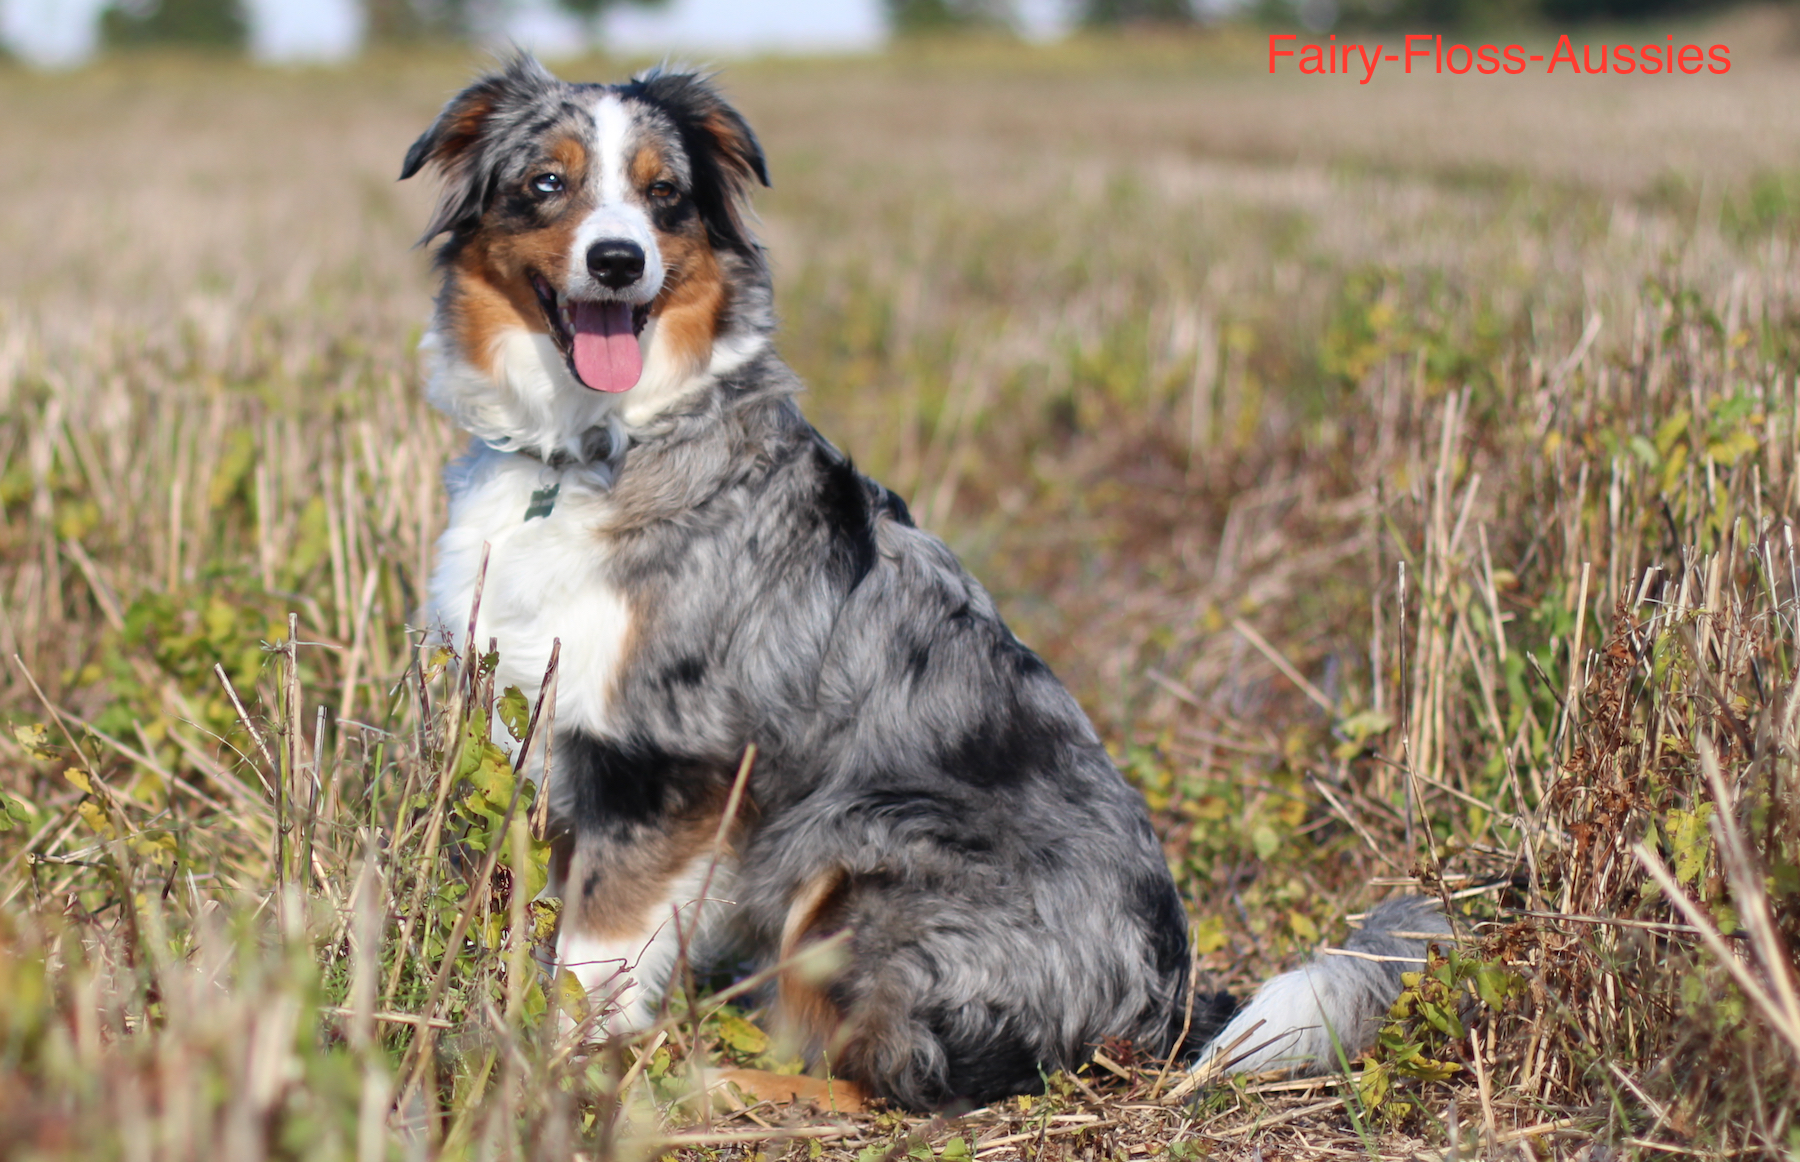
{"points": [[846, 1012], [935, 1000], [805, 1006], [804, 1010]]}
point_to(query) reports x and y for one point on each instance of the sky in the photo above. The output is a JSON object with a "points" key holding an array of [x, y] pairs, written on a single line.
{"points": [[60, 33]]}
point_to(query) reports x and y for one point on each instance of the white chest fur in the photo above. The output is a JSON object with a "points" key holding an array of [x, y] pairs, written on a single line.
{"points": [[545, 579]]}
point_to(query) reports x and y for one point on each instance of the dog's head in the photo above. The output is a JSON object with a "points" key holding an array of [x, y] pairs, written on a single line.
{"points": [[603, 222]]}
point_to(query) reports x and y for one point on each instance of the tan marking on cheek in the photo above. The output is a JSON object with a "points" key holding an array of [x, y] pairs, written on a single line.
{"points": [[546, 251], [484, 306], [687, 311], [491, 291]]}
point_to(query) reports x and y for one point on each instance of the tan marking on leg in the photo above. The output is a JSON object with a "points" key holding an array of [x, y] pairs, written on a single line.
{"points": [[806, 1009], [629, 910]]}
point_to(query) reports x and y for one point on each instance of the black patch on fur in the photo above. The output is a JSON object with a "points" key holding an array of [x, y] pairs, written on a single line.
{"points": [[617, 786], [596, 445], [918, 661], [1211, 1012], [957, 826], [1012, 742], [1028, 665], [689, 671], [888, 504], [995, 1064], [670, 217], [844, 511], [1164, 923]]}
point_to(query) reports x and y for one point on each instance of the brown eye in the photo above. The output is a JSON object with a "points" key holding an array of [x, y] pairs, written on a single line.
{"points": [[547, 183], [663, 191]]}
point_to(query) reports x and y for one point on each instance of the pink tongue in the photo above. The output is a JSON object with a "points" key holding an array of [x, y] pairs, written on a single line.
{"points": [[606, 350]]}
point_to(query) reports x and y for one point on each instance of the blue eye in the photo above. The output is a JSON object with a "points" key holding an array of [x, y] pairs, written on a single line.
{"points": [[547, 183]]}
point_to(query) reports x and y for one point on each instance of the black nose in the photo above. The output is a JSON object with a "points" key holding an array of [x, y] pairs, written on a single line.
{"points": [[615, 262]]}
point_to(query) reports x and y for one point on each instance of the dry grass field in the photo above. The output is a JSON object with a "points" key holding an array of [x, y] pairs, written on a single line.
{"points": [[1401, 476]]}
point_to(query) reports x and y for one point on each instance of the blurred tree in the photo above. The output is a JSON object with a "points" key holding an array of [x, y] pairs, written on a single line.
{"points": [[913, 17], [1112, 13], [1569, 10], [388, 21], [407, 20], [404, 20], [592, 11], [1418, 15], [200, 23]]}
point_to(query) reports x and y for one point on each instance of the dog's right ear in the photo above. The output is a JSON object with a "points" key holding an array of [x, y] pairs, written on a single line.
{"points": [[455, 140]]}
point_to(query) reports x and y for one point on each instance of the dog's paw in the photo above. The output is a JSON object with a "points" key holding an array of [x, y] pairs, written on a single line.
{"points": [[833, 1095]]}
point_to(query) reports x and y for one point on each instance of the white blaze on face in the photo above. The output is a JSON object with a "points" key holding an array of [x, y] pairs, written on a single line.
{"points": [[607, 353], [612, 135]]}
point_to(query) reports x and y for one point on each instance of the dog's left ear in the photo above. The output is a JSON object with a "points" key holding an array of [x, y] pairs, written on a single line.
{"points": [[455, 141], [723, 151]]}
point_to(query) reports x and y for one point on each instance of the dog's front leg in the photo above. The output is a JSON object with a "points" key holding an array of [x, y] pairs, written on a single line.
{"points": [[633, 908]]}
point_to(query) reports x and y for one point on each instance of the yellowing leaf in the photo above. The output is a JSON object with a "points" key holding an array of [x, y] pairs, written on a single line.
{"points": [[1734, 447], [740, 1034], [1671, 430], [1303, 927], [155, 846], [81, 779], [95, 817], [1373, 1084], [571, 997], [1430, 1069], [440, 658], [1209, 934], [35, 739], [543, 918], [1365, 723], [1692, 841], [1673, 467]]}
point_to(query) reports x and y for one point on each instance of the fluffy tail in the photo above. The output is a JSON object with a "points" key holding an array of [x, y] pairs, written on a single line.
{"points": [[1293, 1019]]}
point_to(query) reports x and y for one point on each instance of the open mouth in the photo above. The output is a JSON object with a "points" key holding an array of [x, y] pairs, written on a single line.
{"points": [[599, 339]]}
